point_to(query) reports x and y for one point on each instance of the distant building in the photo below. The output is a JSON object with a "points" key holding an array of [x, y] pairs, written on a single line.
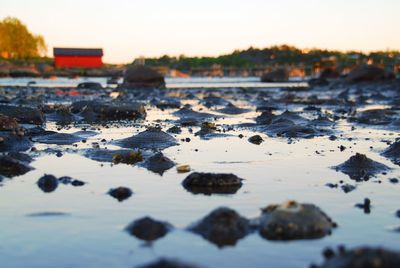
{"points": [[78, 57]]}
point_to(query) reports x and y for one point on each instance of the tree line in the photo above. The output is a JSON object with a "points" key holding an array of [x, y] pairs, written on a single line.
{"points": [[16, 42]]}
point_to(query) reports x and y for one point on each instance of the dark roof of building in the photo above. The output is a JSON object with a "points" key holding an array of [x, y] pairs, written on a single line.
{"points": [[57, 51]]}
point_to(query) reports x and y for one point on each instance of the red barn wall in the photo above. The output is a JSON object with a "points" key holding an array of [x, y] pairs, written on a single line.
{"points": [[78, 61]]}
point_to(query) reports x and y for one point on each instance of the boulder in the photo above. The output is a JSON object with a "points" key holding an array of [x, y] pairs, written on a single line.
{"points": [[140, 76]]}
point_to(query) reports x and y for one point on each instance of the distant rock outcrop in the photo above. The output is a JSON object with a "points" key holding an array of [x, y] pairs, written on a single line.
{"points": [[278, 75], [368, 73], [141, 76]]}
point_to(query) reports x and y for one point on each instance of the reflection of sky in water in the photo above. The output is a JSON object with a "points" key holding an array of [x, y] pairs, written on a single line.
{"points": [[91, 235]]}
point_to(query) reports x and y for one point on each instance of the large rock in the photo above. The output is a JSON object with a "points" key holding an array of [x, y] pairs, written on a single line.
{"points": [[292, 221], [278, 75], [23, 114], [367, 73], [140, 76]]}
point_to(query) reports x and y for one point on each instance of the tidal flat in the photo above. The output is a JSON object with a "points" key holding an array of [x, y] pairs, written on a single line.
{"points": [[231, 175]]}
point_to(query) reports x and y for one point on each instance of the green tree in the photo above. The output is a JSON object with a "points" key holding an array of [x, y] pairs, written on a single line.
{"points": [[17, 42]]}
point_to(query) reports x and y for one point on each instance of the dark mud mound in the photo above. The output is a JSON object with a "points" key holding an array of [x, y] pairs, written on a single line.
{"points": [[95, 111], [231, 109], [212, 183], [11, 167], [393, 153], [359, 167], [148, 229], [288, 129], [57, 138], [158, 163], [188, 115], [168, 263], [23, 114], [152, 139], [374, 117], [360, 258], [291, 221], [120, 193], [223, 227]]}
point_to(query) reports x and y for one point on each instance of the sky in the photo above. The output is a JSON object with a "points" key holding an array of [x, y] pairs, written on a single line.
{"points": [[127, 29]]}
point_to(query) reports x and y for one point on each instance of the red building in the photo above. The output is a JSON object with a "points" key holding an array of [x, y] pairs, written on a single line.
{"points": [[78, 57]]}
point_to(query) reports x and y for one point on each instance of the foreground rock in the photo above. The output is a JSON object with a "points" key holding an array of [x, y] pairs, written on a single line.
{"points": [[212, 183], [152, 138], [393, 153], [12, 142], [8, 123], [168, 263], [148, 229], [360, 258], [23, 114], [359, 167], [291, 221], [223, 227], [140, 76], [57, 138], [10, 167]]}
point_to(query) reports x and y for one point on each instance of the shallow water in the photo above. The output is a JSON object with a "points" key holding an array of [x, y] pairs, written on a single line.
{"points": [[192, 82], [90, 233]]}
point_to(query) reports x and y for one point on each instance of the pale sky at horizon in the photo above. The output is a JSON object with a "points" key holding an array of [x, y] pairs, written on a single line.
{"points": [[127, 29]]}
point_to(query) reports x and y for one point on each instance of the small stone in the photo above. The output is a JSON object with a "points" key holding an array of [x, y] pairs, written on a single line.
{"points": [[48, 183], [120, 193], [148, 229], [183, 169], [256, 139]]}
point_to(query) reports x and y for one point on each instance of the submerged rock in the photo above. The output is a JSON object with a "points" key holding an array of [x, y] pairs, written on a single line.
{"points": [[393, 152], [57, 138], [212, 183], [89, 85], [148, 229], [152, 138], [223, 227], [158, 163], [291, 221], [10, 167], [141, 76], [115, 156], [361, 257], [359, 167], [168, 263], [120, 193], [48, 183]]}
